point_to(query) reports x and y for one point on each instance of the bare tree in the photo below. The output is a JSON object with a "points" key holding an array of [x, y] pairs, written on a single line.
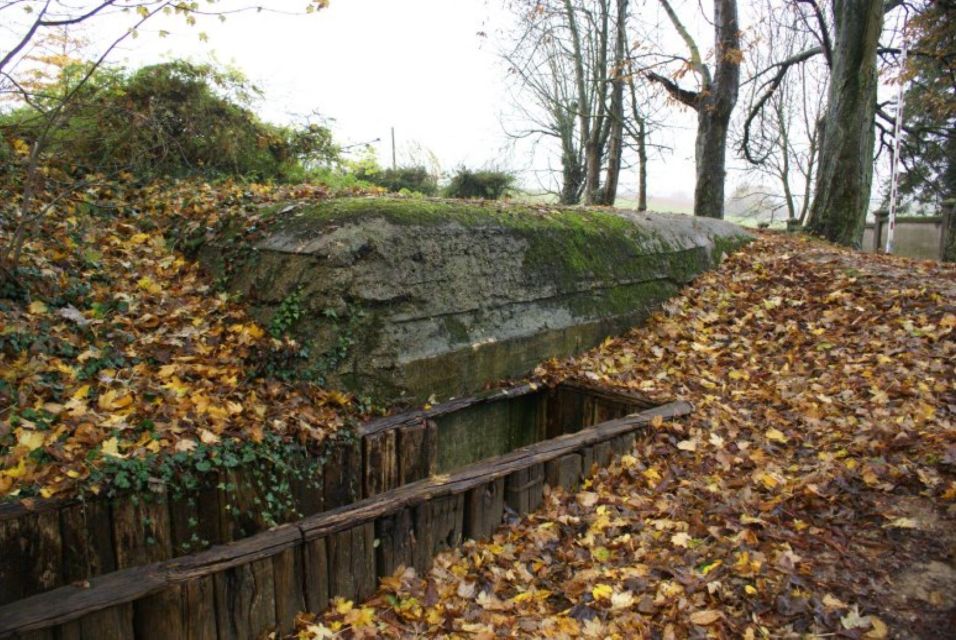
{"points": [[781, 139], [713, 100], [570, 57]]}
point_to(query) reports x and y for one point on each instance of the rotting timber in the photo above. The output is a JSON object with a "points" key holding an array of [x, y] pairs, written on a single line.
{"points": [[45, 544], [254, 586], [412, 298]]}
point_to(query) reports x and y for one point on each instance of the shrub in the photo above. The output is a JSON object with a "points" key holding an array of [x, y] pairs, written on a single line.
{"points": [[413, 179], [175, 118], [487, 185]]}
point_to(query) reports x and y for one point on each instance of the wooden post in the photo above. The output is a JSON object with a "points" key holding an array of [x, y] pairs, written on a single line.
{"points": [[396, 537], [141, 531], [603, 454], [564, 472], [289, 588], [87, 540], [115, 622], [414, 459], [315, 562], [352, 562], [379, 462], [524, 488], [307, 490], [245, 601], [31, 555], [195, 519], [484, 507], [341, 475]]}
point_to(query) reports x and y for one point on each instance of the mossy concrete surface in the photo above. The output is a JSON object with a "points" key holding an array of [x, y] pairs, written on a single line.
{"points": [[420, 298]]}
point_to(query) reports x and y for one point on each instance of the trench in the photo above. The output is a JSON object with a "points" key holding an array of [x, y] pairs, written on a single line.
{"points": [[406, 488]]}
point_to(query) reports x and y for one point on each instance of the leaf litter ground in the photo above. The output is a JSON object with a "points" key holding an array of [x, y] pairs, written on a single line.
{"points": [[811, 494]]}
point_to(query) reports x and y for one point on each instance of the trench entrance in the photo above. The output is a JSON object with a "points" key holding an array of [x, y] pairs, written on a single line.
{"points": [[405, 488]]}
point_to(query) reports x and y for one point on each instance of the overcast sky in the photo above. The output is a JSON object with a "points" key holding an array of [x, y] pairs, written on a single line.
{"points": [[419, 66]]}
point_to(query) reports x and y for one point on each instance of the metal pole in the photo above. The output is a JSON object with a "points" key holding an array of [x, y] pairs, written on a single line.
{"points": [[394, 165], [895, 171]]}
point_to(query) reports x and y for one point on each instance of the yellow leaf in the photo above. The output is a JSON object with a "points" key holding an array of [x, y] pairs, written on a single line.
{"points": [[139, 238], [110, 447], [342, 606], [705, 617], [359, 618], [879, 630], [30, 439], [602, 592], [37, 308], [776, 435], [750, 590]]}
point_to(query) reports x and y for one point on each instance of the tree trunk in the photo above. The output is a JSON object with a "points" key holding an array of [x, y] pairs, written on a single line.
{"points": [[845, 174], [642, 168], [715, 104], [948, 240], [616, 137]]}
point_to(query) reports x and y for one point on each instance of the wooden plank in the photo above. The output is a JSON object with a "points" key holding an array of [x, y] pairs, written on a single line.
{"points": [[484, 508], [603, 453], [379, 463], [160, 615], [31, 555], [414, 457], [447, 522], [245, 601], [69, 603], [341, 475], [307, 489], [115, 623], [479, 473], [199, 604], [587, 461], [87, 534], [352, 562], [395, 534], [634, 399], [289, 588], [195, 518], [431, 451], [141, 531], [524, 488], [622, 444], [315, 562], [564, 472]]}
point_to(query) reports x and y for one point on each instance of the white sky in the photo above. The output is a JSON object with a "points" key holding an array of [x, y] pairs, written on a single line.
{"points": [[416, 65]]}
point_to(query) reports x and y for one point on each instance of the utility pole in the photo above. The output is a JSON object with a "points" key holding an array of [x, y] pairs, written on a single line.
{"points": [[394, 165]]}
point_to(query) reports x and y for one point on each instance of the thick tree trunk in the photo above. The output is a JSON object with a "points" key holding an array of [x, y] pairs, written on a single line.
{"points": [[845, 174], [714, 107], [948, 240]]}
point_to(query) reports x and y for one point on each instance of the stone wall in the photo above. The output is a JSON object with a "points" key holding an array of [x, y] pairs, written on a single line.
{"points": [[437, 298]]}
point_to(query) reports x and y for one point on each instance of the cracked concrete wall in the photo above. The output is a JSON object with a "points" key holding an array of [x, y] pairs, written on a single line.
{"points": [[437, 298]]}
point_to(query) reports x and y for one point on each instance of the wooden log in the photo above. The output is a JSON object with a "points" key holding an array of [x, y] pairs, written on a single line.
{"points": [[315, 562], [307, 491], [160, 615], [379, 463], [289, 588], [396, 538], [141, 531], [431, 450], [603, 454], [564, 472], [352, 562], [115, 623], [634, 400], [87, 536], [587, 461], [446, 522], [245, 601], [484, 508], [341, 475], [195, 519], [414, 457], [241, 507], [622, 444], [31, 555], [524, 488], [565, 411]]}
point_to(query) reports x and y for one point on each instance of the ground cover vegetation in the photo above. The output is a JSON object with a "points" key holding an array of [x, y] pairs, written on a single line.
{"points": [[812, 493]]}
